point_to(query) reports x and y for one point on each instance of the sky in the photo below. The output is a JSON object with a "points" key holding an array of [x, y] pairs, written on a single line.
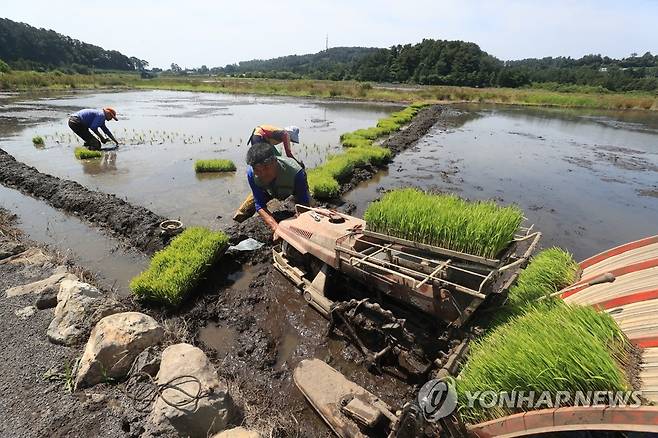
{"points": [[215, 33]]}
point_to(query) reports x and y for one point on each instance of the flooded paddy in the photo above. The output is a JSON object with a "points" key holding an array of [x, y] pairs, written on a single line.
{"points": [[163, 133], [587, 180]]}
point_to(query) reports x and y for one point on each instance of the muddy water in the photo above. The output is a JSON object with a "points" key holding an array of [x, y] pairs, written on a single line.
{"points": [[585, 179], [163, 133], [94, 251]]}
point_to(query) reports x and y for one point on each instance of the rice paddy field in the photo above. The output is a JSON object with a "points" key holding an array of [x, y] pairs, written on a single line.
{"points": [[163, 134]]}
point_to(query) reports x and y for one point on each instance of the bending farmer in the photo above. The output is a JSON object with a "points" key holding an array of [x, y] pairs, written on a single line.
{"points": [[271, 176], [274, 136], [86, 119]]}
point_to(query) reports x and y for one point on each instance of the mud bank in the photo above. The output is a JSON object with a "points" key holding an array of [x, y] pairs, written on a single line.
{"points": [[137, 225], [400, 141]]}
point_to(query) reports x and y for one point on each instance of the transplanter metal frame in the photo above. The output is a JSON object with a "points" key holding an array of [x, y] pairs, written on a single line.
{"points": [[415, 270]]}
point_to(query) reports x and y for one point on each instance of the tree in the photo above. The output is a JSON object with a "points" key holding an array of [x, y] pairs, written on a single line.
{"points": [[4, 67], [175, 69]]}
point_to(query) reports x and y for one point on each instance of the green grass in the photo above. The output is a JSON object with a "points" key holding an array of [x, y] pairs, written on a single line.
{"points": [[214, 165], [176, 270], [480, 228], [84, 153], [549, 348], [548, 272], [38, 140], [585, 97]]}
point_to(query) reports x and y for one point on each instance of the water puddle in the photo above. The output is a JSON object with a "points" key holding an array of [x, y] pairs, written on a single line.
{"points": [[114, 264], [242, 279], [218, 337]]}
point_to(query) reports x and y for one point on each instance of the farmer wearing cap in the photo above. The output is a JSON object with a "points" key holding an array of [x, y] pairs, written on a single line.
{"points": [[86, 119], [268, 134], [274, 136], [271, 176]]}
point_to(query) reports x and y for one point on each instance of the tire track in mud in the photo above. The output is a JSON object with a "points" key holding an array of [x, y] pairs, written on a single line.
{"points": [[138, 226]]}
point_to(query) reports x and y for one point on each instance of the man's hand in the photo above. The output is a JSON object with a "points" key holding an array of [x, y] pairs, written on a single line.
{"points": [[103, 140]]}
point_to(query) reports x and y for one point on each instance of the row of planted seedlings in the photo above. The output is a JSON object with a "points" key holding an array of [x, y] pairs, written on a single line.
{"points": [[359, 150], [535, 342]]}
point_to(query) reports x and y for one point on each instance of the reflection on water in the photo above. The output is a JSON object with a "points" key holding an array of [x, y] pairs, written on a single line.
{"points": [[579, 180], [163, 133]]}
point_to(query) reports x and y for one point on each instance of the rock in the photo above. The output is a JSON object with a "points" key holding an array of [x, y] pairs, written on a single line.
{"points": [[47, 299], [148, 361], [237, 432], [79, 307], [196, 418], [8, 249], [37, 287], [114, 344], [31, 256], [25, 312]]}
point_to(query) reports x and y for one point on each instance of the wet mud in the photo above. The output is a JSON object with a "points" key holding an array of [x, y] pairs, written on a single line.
{"points": [[138, 226]]}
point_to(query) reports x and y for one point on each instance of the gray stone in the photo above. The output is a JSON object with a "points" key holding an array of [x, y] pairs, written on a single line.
{"points": [[31, 256], [114, 344], [79, 307], [192, 417], [59, 274], [148, 361], [8, 249], [47, 299]]}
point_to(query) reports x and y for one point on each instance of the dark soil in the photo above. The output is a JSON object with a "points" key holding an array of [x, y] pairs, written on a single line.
{"points": [[138, 226]]}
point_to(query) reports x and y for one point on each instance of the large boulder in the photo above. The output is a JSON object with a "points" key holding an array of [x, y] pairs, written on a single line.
{"points": [[114, 344], [79, 307], [187, 368], [47, 284]]}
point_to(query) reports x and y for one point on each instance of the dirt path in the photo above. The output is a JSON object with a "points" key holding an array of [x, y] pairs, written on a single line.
{"points": [[134, 224]]}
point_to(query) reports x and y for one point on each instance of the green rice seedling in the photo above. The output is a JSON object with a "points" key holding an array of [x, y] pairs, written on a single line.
{"points": [[350, 140], [480, 228], [322, 185], [37, 140], [388, 125], [176, 270], [375, 155], [84, 153], [548, 272], [339, 167], [214, 165], [371, 133], [555, 348]]}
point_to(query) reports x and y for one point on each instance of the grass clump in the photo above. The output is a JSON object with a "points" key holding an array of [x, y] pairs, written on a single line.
{"points": [[176, 270], [480, 228], [352, 140], [37, 140], [84, 153], [549, 348], [548, 272], [214, 165]]}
